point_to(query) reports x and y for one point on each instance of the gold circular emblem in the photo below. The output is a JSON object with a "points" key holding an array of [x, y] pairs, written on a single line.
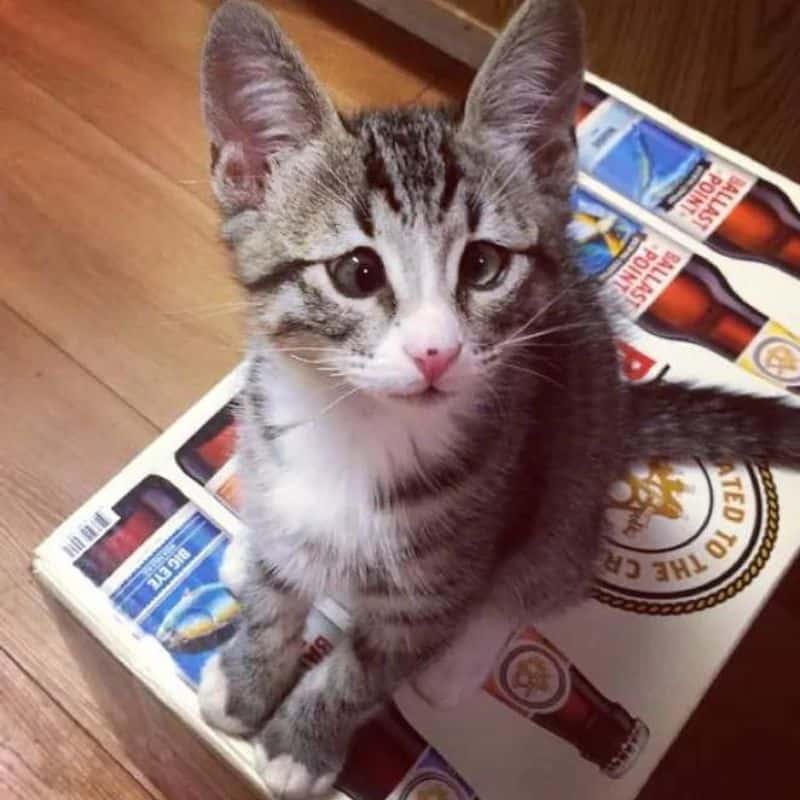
{"points": [[779, 359], [534, 678], [685, 537]]}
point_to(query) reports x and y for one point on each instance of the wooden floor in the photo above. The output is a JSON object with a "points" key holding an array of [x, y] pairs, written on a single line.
{"points": [[112, 321]]}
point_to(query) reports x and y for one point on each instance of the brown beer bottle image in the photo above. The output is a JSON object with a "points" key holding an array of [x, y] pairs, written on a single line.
{"points": [[207, 457], [537, 681], [140, 514], [763, 224], [699, 306]]}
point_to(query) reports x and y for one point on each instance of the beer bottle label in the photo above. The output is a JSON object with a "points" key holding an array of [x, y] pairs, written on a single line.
{"points": [[530, 677], [774, 354], [208, 458], [326, 625], [159, 565], [653, 167], [224, 485], [432, 778], [636, 263]]}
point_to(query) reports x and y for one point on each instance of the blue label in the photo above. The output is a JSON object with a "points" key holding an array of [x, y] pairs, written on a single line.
{"points": [[602, 234], [636, 157], [176, 595]]}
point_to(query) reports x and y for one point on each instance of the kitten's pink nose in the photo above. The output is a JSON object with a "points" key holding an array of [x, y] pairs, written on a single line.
{"points": [[433, 362]]}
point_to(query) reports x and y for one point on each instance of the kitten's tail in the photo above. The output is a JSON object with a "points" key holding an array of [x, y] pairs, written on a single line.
{"points": [[675, 422]]}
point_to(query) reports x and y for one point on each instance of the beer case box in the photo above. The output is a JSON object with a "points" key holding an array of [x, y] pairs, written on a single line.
{"points": [[583, 705]]}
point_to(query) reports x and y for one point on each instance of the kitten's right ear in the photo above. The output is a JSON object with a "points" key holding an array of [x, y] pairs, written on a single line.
{"points": [[259, 100], [523, 100]]}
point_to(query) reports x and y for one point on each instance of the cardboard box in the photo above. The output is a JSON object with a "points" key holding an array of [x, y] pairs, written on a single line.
{"points": [[582, 706]]}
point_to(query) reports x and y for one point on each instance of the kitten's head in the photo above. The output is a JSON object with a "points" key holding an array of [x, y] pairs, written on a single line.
{"points": [[407, 251]]}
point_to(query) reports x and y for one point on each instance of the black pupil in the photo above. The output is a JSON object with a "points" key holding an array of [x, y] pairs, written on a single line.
{"points": [[368, 275], [481, 266]]}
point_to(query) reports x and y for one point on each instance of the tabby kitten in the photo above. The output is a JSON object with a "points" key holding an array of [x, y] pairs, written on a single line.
{"points": [[432, 411]]}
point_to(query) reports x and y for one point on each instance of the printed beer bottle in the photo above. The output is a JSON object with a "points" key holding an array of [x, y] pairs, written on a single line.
{"points": [[113, 535], [537, 681], [208, 457], [678, 295], [719, 203]]}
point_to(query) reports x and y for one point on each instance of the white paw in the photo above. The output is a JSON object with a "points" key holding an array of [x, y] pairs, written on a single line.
{"points": [[212, 696], [233, 570], [287, 779]]}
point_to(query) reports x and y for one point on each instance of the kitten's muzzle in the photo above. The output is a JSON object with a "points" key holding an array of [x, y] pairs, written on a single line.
{"points": [[434, 362]]}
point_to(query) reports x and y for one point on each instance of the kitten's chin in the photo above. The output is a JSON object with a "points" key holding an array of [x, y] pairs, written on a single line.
{"points": [[427, 398]]}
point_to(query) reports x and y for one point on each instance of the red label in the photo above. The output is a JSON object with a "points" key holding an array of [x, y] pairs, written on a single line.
{"points": [[636, 366]]}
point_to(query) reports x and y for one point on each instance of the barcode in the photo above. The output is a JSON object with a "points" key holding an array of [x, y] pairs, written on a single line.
{"points": [[87, 532]]}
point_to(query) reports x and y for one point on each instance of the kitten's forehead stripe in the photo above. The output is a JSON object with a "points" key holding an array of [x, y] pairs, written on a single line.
{"points": [[378, 177], [452, 176], [363, 216], [410, 158], [474, 213]]}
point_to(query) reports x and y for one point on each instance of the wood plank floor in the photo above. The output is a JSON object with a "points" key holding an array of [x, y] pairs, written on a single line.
{"points": [[111, 285]]}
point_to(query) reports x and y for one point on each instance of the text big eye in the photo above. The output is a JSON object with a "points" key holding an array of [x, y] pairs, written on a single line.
{"points": [[358, 274], [483, 265]]}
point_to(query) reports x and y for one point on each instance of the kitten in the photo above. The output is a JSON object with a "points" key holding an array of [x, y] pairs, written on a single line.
{"points": [[432, 411]]}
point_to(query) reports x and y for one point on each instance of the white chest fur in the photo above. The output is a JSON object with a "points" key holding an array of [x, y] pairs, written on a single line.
{"points": [[316, 483]]}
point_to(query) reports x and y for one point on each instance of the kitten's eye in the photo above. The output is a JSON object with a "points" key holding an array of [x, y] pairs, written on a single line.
{"points": [[483, 265], [358, 274]]}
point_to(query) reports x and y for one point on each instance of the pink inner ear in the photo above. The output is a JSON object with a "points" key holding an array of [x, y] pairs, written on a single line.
{"points": [[237, 171], [260, 101], [238, 180]]}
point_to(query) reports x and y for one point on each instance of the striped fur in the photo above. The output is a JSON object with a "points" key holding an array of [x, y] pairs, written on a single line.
{"points": [[431, 506]]}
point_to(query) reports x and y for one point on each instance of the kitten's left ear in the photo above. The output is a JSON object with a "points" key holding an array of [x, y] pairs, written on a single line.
{"points": [[259, 99], [524, 97]]}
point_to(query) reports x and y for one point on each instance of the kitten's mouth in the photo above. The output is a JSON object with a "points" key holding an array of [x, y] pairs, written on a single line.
{"points": [[429, 396]]}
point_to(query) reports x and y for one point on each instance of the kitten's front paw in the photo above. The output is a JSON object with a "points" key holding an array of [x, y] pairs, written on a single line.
{"points": [[287, 779], [292, 765], [217, 706]]}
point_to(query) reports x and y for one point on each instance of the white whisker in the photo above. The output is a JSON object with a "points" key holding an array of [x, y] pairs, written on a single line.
{"points": [[549, 331], [335, 403], [546, 307], [535, 373]]}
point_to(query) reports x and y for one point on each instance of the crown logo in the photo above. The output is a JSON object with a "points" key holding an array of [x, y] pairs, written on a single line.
{"points": [[781, 360], [530, 676], [657, 494]]}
